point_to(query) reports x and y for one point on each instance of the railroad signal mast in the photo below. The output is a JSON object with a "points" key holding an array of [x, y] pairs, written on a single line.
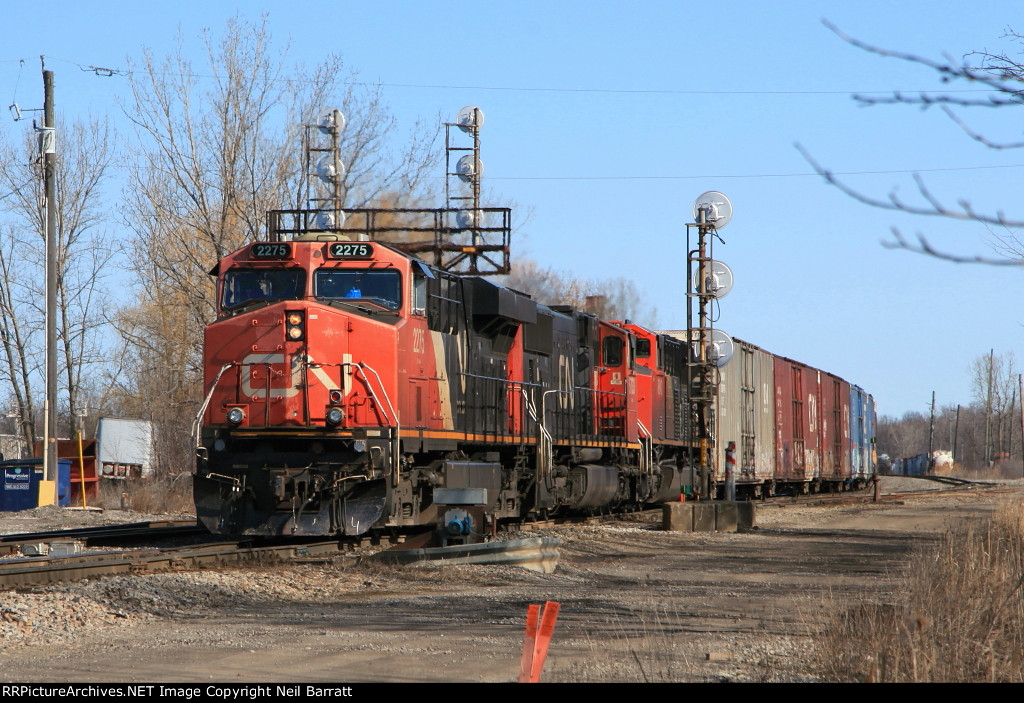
{"points": [[325, 171], [479, 258], [707, 281], [463, 238]]}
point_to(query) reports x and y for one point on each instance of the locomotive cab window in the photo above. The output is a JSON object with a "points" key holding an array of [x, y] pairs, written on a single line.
{"points": [[611, 351], [382, 287], [643, 348], [244, 286], [419, 295]]}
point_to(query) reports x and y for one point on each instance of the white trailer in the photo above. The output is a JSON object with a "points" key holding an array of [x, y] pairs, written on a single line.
{"points": [[124, 448]]}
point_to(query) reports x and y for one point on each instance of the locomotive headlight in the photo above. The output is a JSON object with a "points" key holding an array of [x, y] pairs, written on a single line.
{"points": [[335, 416], [294, 326], [235, 416]]}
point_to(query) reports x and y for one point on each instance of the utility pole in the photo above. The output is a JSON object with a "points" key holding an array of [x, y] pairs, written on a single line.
{"points": [[1020, 382], [48, 144], [956, 436], [931, 432], [988, 412]]}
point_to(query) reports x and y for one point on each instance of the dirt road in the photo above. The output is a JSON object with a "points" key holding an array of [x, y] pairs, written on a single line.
{"points": [[638, 604]]}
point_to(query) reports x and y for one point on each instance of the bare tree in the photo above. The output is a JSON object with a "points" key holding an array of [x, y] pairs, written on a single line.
{"points": [[994, 384], [19, 331], [218, 150], [84, 253], [165, 375], [219, 145], [903, 437], [1003, 76], [612, 299]]}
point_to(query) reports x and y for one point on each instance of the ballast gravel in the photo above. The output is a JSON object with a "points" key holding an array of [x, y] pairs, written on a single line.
{"points": [[637, 604]]}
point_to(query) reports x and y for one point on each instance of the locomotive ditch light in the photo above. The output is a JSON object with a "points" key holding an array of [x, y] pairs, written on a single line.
{"points": [[235, 416], [294, 326], [334, 415]]}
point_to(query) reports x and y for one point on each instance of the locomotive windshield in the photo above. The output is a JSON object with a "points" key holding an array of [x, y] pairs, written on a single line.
{"points": [[244, 286], [380, 286]]}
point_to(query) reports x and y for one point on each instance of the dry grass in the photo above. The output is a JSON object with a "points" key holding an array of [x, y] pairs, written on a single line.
{"points": [[647, 646], [1003, 470], [166, 494], [960, 616]]}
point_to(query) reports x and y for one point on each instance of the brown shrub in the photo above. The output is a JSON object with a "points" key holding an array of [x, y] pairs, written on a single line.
{"points": [[960, 616], [171, 494]]}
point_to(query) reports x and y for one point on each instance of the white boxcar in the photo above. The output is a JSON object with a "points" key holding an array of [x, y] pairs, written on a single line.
{"points": [[745, 413]]}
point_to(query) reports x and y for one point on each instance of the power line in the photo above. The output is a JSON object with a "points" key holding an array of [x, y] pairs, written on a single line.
{"points": [[108, 72], [661, 91], [745, 175]]}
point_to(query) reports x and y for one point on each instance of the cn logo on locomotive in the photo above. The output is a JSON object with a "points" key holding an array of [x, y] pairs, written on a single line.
{"points": [[255, 383]]}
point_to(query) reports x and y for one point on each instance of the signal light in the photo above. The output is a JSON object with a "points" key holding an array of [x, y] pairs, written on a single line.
{"points": [[235, 416], [294, 326]]}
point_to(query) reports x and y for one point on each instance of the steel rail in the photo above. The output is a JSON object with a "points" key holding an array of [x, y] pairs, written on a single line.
{"points": [[37, 571], [123, 529]]}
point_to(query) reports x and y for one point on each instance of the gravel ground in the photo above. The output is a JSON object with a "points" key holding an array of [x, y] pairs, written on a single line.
{"points": [[638, 604]]}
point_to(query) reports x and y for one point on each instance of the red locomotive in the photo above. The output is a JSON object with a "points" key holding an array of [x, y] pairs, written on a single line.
{"points": [[351, 385]]}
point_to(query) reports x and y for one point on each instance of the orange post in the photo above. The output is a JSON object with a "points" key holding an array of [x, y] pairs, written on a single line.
{"points": [[547, 629], [529, 643], [537, 640]]}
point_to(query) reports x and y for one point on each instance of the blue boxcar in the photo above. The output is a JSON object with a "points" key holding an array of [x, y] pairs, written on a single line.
{"points": [[862, 432]]}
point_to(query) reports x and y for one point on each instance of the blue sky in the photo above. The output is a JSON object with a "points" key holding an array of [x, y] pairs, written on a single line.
{"points": [[605, 120]]}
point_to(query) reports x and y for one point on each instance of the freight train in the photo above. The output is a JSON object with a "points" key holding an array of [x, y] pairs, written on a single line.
{"points": [[795, 428], [353, 386]]}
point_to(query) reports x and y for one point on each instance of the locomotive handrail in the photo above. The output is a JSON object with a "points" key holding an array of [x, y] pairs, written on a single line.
{"points": [[509, 385], [362, 366], [646, 453], [544, 440], [603, 403], [196, 435], [395, 437], [532, 409], [548, 454]]}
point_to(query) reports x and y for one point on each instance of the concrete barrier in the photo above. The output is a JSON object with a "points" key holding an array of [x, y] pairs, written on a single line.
{"points": [[704, 517], [715, 516], [677, 517], [726, 516]]}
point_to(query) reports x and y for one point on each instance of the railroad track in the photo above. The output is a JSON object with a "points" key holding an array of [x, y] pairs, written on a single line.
{"points": [[104, 535], [42, 570], [36, 571], [213, 552]]}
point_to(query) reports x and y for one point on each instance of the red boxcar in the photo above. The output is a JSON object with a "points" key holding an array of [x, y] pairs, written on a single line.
{"points": [[797, 429]]}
